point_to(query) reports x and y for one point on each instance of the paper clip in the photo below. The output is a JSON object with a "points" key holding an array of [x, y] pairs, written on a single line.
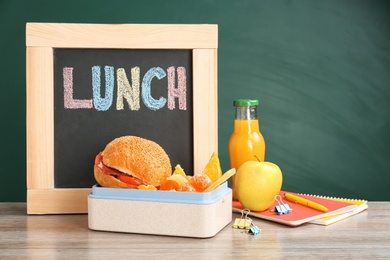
{"points": [[243, 222], [254, 229], [281, 208]]}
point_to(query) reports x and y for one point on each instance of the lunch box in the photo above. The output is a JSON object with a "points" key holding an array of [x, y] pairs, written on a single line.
{"points": [[171, 213]]}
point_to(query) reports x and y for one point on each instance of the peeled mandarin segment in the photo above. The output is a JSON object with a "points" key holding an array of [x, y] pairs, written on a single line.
{"points": [[200, 182], [221, 180], [169, 185], [213, 168], [186, 187], [179, 170]]}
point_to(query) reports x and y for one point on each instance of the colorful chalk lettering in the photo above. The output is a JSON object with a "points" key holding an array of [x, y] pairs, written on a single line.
{"points": [[181, 90], [69, 101], [149, 101], [102, 104], [126, 91]]}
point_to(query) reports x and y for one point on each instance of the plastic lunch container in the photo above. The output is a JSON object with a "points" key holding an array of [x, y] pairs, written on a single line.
{"points": [[187, 214]]}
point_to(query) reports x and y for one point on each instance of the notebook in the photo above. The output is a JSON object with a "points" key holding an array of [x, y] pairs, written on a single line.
{"points": [[300, 214], [361, 206]]}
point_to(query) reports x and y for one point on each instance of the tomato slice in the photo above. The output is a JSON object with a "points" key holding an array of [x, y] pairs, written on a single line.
{"points": [[98, 158], [130, 180], [122, 177]]}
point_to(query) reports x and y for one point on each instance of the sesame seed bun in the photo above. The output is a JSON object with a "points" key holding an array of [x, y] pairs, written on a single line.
{"points": [[141, 158]]}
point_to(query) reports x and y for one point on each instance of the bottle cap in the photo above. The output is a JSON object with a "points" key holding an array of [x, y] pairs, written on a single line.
{"points": [[245, 102]]}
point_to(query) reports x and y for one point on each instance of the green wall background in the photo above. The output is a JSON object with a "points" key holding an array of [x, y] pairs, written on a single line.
{"points": [[321, 70]]}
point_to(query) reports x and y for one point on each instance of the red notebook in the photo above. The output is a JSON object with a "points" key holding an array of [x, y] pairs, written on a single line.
{"points": [[300, 214]]}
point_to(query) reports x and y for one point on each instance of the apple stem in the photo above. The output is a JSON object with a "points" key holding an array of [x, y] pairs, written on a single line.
{"points": [[256, 157]]}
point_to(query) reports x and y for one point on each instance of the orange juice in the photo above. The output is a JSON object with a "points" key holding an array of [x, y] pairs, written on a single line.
{"points": [[246, 142]]}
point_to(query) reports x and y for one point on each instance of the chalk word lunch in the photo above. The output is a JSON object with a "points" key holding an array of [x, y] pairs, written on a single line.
{"points": [[126, 91]]}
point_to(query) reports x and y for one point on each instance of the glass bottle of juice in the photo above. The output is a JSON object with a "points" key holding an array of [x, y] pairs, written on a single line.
{"points": [[246, 142]]}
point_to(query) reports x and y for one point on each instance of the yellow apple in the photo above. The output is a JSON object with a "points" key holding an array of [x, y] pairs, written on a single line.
{"points": [[257, 183]]}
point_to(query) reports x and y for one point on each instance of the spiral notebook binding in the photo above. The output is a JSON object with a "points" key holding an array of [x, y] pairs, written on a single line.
{"points": [[336, 198]]}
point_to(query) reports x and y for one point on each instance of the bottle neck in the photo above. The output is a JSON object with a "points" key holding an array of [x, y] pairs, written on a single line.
{"points": [[246, 120], [246, 113]]}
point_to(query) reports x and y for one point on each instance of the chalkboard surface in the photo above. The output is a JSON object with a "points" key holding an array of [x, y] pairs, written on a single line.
{"points": [[101, 94]]}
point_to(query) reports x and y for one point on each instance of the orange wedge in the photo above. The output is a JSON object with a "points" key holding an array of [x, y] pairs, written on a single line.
{"points": [[213, 168], [179, 170]]}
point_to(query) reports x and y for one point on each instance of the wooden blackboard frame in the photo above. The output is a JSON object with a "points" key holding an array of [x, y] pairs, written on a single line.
{"points": [[42, 38]]}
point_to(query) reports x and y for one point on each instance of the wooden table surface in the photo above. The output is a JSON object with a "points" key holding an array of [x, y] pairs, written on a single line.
{"points": [[363, 236]]}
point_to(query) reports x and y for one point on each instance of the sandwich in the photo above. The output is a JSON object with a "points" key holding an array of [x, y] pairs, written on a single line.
{"points": [[131, 161]]}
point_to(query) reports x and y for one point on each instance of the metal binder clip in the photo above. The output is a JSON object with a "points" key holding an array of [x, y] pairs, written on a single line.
{"points": [[254, 230], [281, 208], [243, 222]]}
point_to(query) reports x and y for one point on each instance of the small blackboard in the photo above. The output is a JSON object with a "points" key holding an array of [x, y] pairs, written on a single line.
{"points": [[101, 94], [90, 83]]}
